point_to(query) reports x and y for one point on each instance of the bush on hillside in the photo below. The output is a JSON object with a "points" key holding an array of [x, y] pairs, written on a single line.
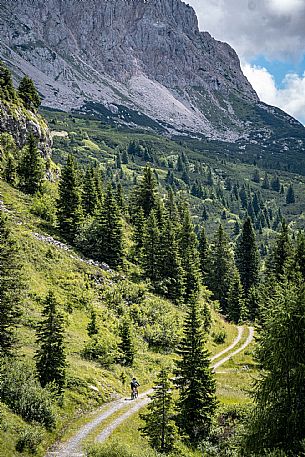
{"points": [[102, 349], [22, 393], [29, 439]]}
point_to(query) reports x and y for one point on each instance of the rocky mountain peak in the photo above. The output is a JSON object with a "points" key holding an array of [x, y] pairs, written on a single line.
{"points": [[143, 61]]}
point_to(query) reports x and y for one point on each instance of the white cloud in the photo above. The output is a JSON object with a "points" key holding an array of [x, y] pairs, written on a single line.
{"points": [[290, 98], [273, 28]]}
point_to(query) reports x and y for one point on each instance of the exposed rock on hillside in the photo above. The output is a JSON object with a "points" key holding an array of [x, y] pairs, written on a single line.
{"points": [[20, 123]]}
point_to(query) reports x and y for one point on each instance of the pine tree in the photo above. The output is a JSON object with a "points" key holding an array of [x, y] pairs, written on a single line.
{"points": [[11, 289], [160, 427], [280, 260], [204, 249], [180, 165], [275, 184], [151, 253], [300, 254], [138, 233], [28, 94], [266, 183], [171, 207], [146, 193], [194, 380], [10, 170], [7, 90], [189, 256], [290, 198], [125, 158], [236, 300], [90, 193], [31, 169], [247, 257], [170, 270], [70, 213], [256, 176], [106, 235], [126, 346], [50, 357], [279, 394], [92, 327], [221, 268], [118, 161], [120, 197], [243, 197]]}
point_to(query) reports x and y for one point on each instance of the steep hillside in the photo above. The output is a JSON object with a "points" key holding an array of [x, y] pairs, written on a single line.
{"points": [[21, 119]]}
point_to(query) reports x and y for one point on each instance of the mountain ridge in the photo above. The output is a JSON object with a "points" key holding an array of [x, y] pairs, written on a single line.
{"points": [[140, 63], [139, 43]]}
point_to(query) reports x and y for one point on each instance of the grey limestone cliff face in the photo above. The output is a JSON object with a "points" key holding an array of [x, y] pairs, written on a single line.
{"points": [[148, 55], [20, 124]]}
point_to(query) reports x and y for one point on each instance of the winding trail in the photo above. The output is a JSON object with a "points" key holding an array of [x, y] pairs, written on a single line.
{"points": [[240, 349], [73, 448], [229, 348]]}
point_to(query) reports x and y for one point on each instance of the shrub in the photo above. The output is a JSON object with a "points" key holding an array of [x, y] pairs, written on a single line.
{"points": [[219, 337], [103, 349], [29, 439], [44, 206], [22, 393]]}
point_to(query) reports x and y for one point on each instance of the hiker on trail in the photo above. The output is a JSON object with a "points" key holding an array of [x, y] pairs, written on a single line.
{"points": [[134, 388]]}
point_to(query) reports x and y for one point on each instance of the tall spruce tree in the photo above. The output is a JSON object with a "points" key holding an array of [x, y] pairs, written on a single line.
{"points": [[290, 197], [300, 254], [126, 345], [236, 299], [146, 193], [279, 394], [160, 427], [106, 236], [7, 90], [266, 182], [203, 253], [189, 256], [247, 257], [171, 272], [138, 233], [150, 258], [281, 258], [70, 214], [221, 268], [28, 94], [11, 288], [90, 193], [50, 357], [194, 380], [31, 168]]}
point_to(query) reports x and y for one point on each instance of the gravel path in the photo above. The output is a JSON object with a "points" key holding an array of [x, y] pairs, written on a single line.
{"points": [[240, 349], [72, 447], [229, 348]]}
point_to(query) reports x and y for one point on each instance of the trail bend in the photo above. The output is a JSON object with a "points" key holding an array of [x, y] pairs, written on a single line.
{"points": [[73, 447]]}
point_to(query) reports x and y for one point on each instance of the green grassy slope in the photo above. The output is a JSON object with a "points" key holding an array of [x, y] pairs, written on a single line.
{"points": [[78, 287]]}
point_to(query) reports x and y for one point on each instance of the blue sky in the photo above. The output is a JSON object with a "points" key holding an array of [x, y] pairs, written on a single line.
{"points": [[269, 37]]}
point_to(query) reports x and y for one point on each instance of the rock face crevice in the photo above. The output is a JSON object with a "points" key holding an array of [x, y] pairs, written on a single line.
{"points": [[146, 55]]}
